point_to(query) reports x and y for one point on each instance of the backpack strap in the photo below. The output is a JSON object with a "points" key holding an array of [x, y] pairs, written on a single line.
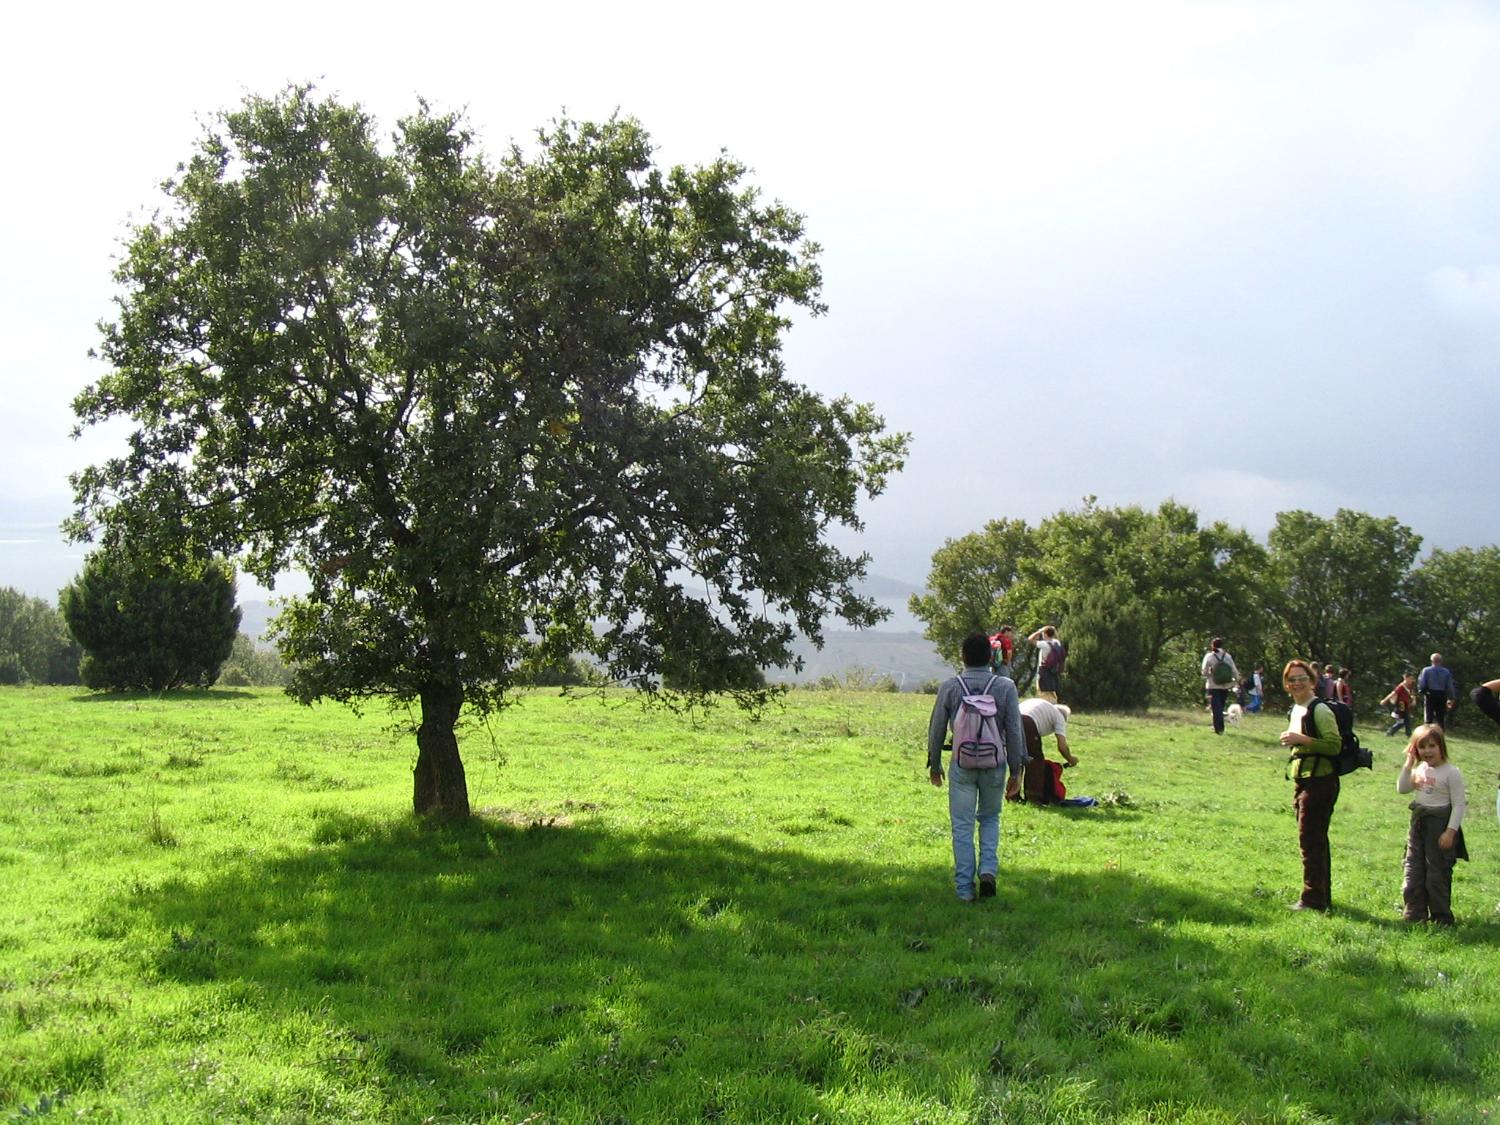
{"points": [[1308, 720]]}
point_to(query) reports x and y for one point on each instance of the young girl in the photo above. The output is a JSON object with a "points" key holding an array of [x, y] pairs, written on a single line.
{"points": [[1434, 840]]}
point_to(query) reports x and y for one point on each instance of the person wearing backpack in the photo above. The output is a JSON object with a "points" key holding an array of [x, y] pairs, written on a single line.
{"points": [[1003, 651], [1314, 769], [1050, 654], [1219, 677], [989, 752]]}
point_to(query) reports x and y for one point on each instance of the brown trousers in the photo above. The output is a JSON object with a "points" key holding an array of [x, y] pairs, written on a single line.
{"points": [[1035, 777], [1314, 802]]}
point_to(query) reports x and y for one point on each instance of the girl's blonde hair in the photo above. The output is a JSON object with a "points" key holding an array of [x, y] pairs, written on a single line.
{"points": [[1426, 731]]}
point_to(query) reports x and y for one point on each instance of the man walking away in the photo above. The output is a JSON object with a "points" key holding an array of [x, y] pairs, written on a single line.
{"points": [[975, 794], [1438, 691], [1050, 653], [1219, 675]]}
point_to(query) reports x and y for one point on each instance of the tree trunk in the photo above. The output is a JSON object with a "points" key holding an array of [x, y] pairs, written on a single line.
{"points": [[438, 784]]}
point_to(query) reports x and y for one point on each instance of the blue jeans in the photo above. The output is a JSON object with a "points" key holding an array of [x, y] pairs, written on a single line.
{"points": [[971, 792], [1403, 721], [1254, 705]]}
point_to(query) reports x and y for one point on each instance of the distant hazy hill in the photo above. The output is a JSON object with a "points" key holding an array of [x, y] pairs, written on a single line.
{"points": [[896, 648], [254, 616], [908, 658]]}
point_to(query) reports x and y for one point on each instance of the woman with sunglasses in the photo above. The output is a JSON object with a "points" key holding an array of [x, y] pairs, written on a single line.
{"points": [[1312, 735]]}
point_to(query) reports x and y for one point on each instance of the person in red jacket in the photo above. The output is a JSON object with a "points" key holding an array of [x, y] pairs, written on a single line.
{"points": [[1003, 651], [1401, 699]]}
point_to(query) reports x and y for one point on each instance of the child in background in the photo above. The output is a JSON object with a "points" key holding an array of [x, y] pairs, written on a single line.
{"points": [[1257, 689], [1401, 700], [1435, 839], [1343, 687]]}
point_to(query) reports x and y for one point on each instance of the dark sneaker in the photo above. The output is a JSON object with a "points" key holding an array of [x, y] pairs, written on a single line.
{"points": [[986, 886]]}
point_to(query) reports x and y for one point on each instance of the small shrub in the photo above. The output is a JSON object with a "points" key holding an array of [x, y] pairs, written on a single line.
{"points": [[156, 830]]}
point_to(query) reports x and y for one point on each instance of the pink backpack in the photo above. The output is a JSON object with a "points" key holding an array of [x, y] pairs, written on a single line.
{"points": [[976, 730]]}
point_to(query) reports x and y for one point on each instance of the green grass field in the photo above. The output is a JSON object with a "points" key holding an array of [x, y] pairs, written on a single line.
{"points": [[216, 908]]}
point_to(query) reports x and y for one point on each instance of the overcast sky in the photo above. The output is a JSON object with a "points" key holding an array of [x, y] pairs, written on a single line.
{"points": [[1246, 255]]}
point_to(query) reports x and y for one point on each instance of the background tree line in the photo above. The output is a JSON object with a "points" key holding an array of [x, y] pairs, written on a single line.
{"points": [[1137, 594]]}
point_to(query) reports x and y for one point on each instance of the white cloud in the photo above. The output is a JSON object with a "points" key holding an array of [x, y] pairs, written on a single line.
{"points": [[1466, 293], [1252, 500]]}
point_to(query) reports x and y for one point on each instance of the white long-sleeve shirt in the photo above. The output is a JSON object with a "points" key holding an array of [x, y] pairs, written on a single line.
{"points": [[1212, 658], [1435, 787]]}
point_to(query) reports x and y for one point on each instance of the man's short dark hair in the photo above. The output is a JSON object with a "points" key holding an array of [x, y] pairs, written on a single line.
{"points": [[976, 650]]}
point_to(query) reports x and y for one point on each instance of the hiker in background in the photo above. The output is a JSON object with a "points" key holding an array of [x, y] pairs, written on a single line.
{"points": [[1435, 838], [975, 790], [1219, 675], [1325, 688], [1401, 700], [1438, 691], [1050, 653], [1003, 651], [1040, 718], [1314, 769], [1257, 689], [1343, 688], [1484, 697]]}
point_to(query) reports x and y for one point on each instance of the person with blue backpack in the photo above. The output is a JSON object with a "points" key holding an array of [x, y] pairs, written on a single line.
{"points": [[989, 753]]}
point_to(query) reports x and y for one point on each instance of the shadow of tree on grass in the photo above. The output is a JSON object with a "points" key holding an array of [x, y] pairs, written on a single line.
{"points": [[176, 695], [488, 967]]}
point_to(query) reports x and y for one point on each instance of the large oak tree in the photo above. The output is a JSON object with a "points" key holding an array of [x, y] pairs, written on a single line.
{"points": [[498, 410]]}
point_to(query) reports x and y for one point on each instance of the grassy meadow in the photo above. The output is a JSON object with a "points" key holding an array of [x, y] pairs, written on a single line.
{"points": [[216, 907]]}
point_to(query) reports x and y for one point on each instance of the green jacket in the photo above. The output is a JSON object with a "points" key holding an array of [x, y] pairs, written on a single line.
{"points": [[1317, 758]]}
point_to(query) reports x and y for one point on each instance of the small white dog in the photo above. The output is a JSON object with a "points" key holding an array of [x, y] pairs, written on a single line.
{"points": [[1233, 712]]}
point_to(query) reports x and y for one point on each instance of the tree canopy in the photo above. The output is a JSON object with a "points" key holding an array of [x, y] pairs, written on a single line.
{"points": [[34, 642], [1162, 571], [1338, 586], [1138, 594], [499, 411]]}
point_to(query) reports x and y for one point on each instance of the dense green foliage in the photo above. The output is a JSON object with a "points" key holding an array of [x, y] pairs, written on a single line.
{"points": [[149, 625], [35, 647], [213, 914], [249, 666], [1107, 650], [499, 412], [1146, 591], [1336, 587]]}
